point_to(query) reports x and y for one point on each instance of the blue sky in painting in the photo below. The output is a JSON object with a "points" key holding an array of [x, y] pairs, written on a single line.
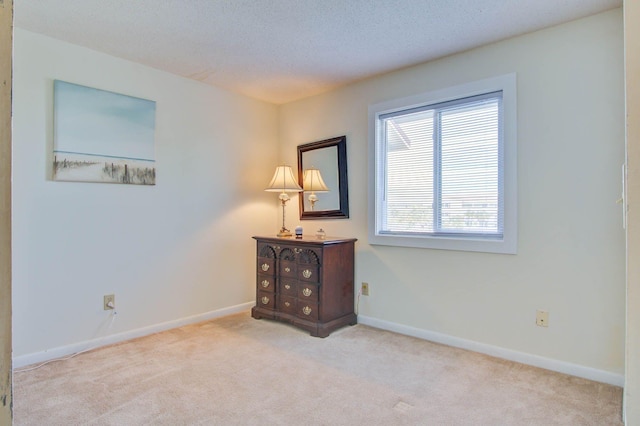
{"points": [[93, 121]]}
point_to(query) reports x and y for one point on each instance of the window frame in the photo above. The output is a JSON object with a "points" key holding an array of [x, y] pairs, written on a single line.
{"points": [[508, 243]]}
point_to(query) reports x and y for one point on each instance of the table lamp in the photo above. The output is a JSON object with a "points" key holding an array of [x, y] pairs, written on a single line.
{"points": [[283, 181]]}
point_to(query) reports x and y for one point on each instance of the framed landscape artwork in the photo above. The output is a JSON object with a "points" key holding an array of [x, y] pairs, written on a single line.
{"points": [[102, 136]]}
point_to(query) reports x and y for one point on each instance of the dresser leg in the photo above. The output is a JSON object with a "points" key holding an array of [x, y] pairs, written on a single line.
{"points": [[320, 333], [255, 314]]}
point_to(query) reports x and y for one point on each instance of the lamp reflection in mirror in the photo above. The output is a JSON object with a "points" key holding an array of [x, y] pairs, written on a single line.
{"points": [[283, 181], [312, 182]]}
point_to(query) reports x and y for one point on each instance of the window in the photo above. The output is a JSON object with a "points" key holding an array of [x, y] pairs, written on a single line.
{"points": [[444, 169]]}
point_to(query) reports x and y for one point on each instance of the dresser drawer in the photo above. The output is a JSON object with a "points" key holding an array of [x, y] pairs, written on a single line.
{"points": [[266, 283], [266, 266], [266, 300], [289, 287], [308, 292], [309, 273], [287, 304], [288, 269], [307, 310]]}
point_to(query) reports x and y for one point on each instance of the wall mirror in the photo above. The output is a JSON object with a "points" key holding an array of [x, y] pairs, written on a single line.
{"points": [[329, 157]]}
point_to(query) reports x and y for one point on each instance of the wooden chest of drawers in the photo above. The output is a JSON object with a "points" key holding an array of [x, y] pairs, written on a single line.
{"points": [[306, 282]]}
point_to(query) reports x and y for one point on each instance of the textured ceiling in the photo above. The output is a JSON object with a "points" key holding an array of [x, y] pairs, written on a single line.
{"points": [[283, 50]]}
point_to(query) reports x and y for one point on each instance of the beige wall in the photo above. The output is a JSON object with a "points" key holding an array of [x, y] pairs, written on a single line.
{"points": [[570, 259], [170, 252], [632, 60], [6, 24]]}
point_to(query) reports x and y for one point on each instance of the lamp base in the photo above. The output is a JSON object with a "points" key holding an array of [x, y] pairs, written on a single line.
{"points": [[284, 232]]}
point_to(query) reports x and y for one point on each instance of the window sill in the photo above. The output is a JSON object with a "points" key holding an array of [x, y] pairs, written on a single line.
{"points": [[507, 245]]}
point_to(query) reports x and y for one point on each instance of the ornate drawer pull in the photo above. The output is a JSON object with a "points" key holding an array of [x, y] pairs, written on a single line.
{"points": [[265, 283], [287, 286], [265, 300], [306, 273], [287, 269], [287, 304], [306, 310], [265, 267], [297, 250], [307, 291]]}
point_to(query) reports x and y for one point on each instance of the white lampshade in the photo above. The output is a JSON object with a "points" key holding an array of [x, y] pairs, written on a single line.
{"points": [[313, 181], [283, 181]]}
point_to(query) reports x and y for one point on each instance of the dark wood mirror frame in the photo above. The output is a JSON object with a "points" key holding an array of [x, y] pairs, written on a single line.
{"points": [[343, 187]]}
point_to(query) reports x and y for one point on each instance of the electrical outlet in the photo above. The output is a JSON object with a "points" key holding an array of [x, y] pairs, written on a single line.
{"points": [[109, 302], [365, 289], [542, 318]]}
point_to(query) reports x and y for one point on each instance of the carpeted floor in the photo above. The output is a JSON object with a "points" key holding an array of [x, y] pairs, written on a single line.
{"points": [[240, 371]]}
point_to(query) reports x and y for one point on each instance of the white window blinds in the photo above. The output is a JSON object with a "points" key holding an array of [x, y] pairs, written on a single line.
{"points": [[443, 169]]}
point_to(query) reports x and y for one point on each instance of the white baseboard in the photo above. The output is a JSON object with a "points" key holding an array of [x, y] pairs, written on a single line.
{"points": [[496, 351], [62, 351], [521, 357]]}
